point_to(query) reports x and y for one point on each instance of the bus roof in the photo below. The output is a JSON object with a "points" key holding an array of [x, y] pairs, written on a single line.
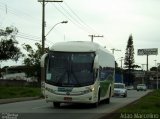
{"points": [[77, 46]]}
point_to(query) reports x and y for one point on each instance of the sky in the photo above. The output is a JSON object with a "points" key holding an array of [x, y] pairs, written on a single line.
{"points": [[116, 20]]}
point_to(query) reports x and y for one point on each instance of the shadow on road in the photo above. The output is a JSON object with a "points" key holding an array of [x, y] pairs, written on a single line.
{"points": [[79, 105]]}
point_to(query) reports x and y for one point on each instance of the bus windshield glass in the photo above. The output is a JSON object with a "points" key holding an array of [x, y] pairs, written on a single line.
{"points": [[70, 69]]}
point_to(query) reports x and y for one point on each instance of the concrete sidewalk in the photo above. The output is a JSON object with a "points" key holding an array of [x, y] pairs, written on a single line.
{"points": [[4, 101]]}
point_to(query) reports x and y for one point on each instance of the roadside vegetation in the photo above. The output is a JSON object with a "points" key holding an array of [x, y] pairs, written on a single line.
{"points": [[17, 92], [146, 107]]}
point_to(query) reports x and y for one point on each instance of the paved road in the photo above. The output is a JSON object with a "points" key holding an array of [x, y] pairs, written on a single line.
{"points": [[39, 109]]}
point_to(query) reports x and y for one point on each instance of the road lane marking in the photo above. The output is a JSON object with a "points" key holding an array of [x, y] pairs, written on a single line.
{"points": [[39, 107]]}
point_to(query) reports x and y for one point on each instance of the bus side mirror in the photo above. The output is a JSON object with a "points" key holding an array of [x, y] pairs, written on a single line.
{"points": [[96, 65], [43, 69], [43, 60]]}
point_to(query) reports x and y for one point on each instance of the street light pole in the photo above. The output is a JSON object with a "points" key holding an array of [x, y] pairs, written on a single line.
{"points": [[63, 22], [121, 61]]}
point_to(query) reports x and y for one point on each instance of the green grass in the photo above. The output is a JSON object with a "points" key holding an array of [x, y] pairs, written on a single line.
{"points": [[147, 105], [16, 92]]}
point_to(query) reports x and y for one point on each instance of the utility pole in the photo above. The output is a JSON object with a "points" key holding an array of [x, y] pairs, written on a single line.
{"points": [[121, 62], [113, 49], [143, 72], [92, 36], [155, 63], [147, 62], [43, 20], [157, 76], [43, 26]]}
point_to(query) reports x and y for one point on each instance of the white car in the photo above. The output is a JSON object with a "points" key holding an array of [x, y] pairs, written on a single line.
{"points": [[142, 87], [120, 89]]}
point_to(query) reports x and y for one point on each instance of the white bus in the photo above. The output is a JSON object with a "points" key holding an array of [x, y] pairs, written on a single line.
{"points": [[77, 72]]}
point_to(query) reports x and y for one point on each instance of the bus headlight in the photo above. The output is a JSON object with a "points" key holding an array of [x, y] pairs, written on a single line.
{"points": [[91, 89], [88, 90]]}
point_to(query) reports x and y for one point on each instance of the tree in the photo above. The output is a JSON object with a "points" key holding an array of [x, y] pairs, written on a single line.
{"points": [[32, 60], [118, 69], [129, 59], [8, 44], [129, 55], [136, 66], [153, 69]]}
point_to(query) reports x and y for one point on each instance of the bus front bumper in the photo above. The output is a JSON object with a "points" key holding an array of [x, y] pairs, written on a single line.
{"points": [[85, 98]]}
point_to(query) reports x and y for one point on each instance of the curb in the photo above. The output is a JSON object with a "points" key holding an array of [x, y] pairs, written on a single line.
{"points": [[5, 101]]}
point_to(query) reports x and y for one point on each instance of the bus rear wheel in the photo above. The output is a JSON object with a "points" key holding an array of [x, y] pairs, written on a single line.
{"points": [[56, 104], [107, 100]]}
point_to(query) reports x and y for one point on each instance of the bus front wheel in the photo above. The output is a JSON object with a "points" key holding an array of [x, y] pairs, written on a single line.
{"points": [[98, 100]]}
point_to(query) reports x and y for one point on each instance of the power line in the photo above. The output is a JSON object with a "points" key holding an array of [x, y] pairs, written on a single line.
{"points": [[20, 14], [29, 35], [70, 15], [72, 11], [16, 12], [75, 20], [75, 23], [49, 41], [27, 38], [24, 35], [86, 25], [33, 39]]}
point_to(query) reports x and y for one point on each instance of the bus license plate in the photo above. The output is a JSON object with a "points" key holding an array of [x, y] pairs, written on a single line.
{"points": [[68, 98]]}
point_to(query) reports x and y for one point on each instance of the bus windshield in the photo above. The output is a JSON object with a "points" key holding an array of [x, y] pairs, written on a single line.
{"points": [[70, 69]]}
